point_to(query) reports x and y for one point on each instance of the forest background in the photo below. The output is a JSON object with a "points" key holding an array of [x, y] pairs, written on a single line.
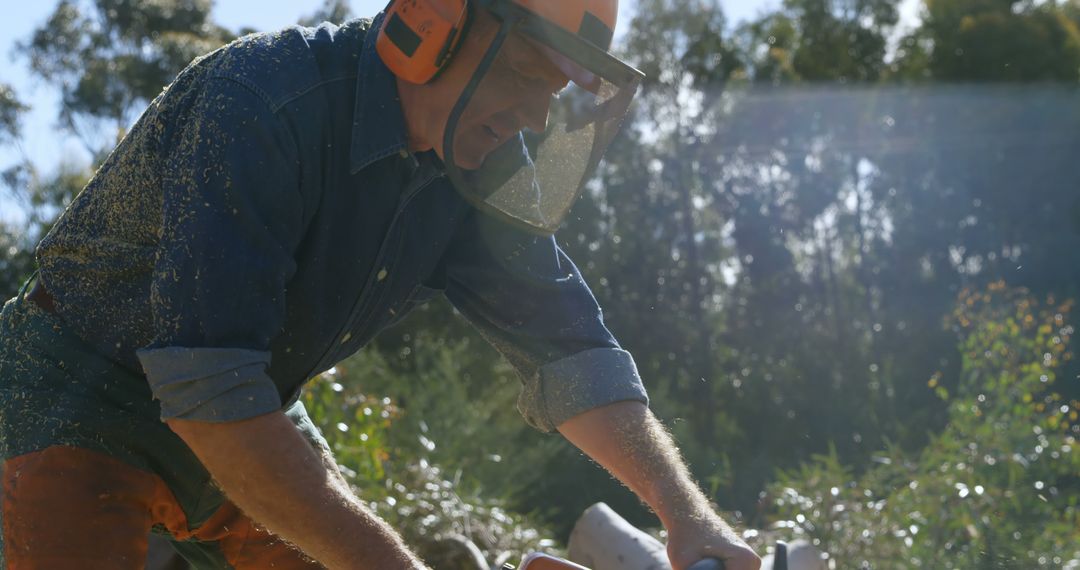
{"points": [[842, 250]]}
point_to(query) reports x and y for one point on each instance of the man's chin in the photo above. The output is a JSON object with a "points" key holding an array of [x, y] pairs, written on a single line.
{"points": [[470, 160], [471, 151]]}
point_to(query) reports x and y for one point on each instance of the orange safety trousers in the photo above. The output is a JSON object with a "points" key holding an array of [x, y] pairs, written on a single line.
{"points": [[67, 507]]}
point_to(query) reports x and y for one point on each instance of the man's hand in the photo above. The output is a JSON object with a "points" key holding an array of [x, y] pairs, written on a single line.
{"points": [[713, 538], [630, 443]]}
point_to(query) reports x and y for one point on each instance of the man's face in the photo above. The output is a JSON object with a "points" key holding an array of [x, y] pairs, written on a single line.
{"points": [[515, 94]]}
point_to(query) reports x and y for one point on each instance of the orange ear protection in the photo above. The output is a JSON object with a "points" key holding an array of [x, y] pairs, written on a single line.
{"points": [[418, 37]]}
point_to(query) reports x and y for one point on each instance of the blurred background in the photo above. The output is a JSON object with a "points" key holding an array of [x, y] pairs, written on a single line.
{"points": [[841, 238]]}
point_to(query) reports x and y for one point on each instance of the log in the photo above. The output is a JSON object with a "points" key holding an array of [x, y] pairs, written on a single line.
{"points": [[602, 540], [801, 555]]}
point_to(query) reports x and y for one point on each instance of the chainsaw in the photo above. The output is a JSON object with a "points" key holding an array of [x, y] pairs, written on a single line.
{"points": [[537, 561]]}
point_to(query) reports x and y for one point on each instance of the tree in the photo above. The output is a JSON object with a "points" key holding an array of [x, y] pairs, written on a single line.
{"points": [[821, 40], [108, 58], [647, 246], [10, 110], [15, 259], [827, 219], [1007, 40]]}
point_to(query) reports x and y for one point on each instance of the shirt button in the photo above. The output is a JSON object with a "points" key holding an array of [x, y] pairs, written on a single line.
{"points": [[382, 274]]}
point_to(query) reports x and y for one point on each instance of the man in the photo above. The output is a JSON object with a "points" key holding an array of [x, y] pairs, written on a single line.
{"points": [[283, 200]]}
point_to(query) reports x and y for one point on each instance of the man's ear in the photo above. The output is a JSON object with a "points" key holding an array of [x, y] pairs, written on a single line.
{"points": [[418, 38]]}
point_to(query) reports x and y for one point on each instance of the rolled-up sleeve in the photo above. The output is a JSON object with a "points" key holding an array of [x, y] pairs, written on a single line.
{"points": [[231, 220], [210, 383], [528, 299]]}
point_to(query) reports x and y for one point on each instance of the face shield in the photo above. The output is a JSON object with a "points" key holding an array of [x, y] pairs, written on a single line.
{"points": [[531, 126]]}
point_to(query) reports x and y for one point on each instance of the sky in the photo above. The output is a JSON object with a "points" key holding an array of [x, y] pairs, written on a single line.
{"points": [[40, 139]]}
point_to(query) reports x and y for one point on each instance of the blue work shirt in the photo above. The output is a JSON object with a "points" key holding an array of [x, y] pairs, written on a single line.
{"points": [[264, 220]]}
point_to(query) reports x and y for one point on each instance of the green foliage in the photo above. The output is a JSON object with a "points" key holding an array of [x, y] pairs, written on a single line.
{"points": [[985, 40], [709, 252], [997, 488], [457, 400], [373, 441], [456, 390], [681, 38], [355, 424], [820, 40], [10, 110], [660, 292], [16, 259], [44, 197], [778, 255]]}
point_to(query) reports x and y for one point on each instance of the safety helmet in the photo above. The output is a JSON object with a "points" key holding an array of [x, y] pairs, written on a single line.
{"points": [[532, 176]]}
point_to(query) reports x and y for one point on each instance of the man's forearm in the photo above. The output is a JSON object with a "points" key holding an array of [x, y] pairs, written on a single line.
{"points": [[272, 473], [631, 443]]}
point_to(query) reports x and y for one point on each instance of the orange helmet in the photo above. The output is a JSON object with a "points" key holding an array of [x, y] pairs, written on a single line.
{"points": [[418, 37], [529, 179]]}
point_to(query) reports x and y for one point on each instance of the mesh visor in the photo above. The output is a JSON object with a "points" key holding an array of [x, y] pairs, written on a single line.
{"points": [[534, 122]]}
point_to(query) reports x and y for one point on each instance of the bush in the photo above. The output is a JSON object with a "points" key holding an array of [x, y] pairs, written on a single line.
{"points": [[999, 487], [397, 479]]}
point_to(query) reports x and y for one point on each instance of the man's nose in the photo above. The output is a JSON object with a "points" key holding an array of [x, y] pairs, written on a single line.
{"points": [[533, 112]]}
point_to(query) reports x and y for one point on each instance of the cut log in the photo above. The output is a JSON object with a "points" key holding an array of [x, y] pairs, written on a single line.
{"points": [[602, 540], [801, 555]]}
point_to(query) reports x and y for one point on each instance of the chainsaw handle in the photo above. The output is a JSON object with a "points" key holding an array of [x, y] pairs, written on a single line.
{"points": [[708, 564]]}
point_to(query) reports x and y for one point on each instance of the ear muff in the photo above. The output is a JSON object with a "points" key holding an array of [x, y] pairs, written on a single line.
{"points": [[418, 37]]}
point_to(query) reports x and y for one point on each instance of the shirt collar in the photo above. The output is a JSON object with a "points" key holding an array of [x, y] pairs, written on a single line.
{"points": [[378, 122]]}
